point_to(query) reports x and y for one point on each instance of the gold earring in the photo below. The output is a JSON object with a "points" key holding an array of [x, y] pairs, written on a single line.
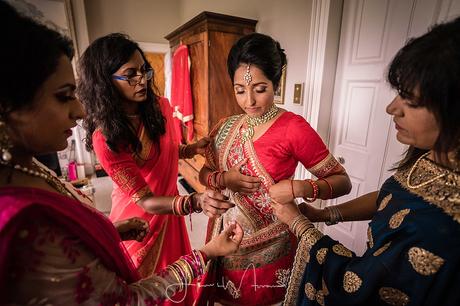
{"points": [[5, 145]]}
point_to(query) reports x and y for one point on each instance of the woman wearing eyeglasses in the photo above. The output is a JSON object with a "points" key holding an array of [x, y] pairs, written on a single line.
{"points": [[134, 139]]}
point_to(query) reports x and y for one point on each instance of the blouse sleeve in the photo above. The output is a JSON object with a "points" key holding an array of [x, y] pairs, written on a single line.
{"points": [[122, 168], [54, 267], [308, 148]]}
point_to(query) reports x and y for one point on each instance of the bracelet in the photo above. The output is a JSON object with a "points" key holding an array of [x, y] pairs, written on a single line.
{"points": [[335, 216], [300, 225], [214, 180], [330, 188], [182, 205], [315, 189]]}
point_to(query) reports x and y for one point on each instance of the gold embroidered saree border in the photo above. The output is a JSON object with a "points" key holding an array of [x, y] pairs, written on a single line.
{"points": [[443, 192], [326, 167], [147, 144], [150, 255], [306, 242]]}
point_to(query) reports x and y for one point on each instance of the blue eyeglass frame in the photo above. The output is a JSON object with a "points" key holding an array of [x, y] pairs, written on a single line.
{"points": [[148, 74]]}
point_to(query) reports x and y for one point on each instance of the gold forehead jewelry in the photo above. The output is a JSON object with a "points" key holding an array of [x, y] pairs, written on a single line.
{"points": [[247, 76]]}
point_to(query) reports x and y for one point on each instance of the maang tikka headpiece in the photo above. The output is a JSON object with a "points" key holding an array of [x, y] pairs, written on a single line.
{"points": [[247, 76]]}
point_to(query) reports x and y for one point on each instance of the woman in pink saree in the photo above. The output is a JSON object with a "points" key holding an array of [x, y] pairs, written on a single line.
{"points": [[248, 154], [131, 131], [55, 248]]}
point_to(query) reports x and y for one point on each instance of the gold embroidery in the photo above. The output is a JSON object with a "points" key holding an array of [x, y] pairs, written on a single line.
{"points": [[321, 255], [444, 192], [370, 239], [393, 296], [320, 297], [269, 248], [384, 202], [310, 291], [325, 167], [341, 250], [351, 282], [382, 249], [308, 239], [147, 145], [141, 193], [398, 218], [123, 179], [423, 261]]}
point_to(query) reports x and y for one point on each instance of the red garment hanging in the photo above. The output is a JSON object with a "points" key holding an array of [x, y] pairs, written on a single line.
{"points": [[181, 94]]}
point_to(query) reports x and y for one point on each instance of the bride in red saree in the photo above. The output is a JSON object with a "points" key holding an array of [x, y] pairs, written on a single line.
{"points": [[248, 154]]}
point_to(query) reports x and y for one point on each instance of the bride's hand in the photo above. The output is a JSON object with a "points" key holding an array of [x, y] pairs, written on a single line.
{"points": [[234, 180]]}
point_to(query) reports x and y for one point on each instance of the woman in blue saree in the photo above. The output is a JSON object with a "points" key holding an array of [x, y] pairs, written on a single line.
{"points": [[413, 255]]}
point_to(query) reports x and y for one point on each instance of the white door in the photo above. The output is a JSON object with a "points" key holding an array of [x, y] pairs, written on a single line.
{"points": [[362, 134]]}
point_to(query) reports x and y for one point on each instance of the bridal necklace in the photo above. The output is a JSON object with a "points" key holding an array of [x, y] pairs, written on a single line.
{"points": [[409, 176], [48, 177], [251, 122]]}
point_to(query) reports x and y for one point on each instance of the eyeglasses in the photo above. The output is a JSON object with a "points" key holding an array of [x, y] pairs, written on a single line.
{"points": [[135, 79]]}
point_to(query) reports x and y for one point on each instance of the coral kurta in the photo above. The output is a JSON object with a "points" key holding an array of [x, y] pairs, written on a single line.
{"points": [[155, 170]]}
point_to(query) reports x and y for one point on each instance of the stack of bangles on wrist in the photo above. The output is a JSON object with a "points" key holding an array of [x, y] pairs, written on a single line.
{"points": [[335, 216], [215, 180], [188, 267], [183, 205], [185, 151], [315, 189], [299, 225]]}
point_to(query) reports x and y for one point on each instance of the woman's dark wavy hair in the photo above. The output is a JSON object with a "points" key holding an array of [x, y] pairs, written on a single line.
{"points": [[430, 65], [30, 53], [259, 50], [103, 101]]}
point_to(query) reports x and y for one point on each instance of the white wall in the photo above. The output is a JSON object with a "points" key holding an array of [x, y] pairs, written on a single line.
{"points": [[150, 20], [286, 21], [142, 20]]}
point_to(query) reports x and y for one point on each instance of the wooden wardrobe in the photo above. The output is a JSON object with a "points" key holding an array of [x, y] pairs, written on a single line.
{"points": [[209, 38]]}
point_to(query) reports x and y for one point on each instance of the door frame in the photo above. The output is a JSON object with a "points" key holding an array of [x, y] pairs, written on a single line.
{"points": [[323, 48]]}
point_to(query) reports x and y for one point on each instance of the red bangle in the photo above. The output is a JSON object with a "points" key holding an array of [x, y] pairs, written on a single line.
{"points": [[330, 187], [315, 188], [292, 189]]}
